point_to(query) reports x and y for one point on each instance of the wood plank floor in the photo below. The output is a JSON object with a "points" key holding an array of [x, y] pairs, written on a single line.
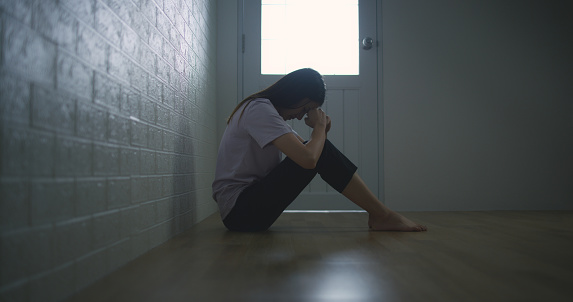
{"points": [[465, 256]]}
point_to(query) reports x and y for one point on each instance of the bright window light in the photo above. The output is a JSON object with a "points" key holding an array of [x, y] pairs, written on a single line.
{"points": [[320, 34]]}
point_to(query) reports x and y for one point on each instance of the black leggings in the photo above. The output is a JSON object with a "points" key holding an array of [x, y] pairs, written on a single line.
{"points": [[261, 203]]}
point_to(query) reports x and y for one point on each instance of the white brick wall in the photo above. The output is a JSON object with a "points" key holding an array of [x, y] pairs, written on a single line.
{"points": [[108, 136]]}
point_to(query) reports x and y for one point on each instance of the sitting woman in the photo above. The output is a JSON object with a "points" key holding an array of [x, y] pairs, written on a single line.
{"points": [[253, 186]]}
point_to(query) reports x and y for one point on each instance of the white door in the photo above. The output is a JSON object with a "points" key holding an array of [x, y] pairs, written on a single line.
{"points": [[351, 99]]}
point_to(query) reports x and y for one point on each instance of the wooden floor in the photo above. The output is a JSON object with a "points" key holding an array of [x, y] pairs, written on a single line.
{"points": [[465, 256]]}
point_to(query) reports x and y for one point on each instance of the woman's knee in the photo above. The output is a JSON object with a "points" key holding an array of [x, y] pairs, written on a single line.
{"points": [[328, 144]]}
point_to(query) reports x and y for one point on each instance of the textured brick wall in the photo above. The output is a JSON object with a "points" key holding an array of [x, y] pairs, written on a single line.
{"points": [[108, 136]]}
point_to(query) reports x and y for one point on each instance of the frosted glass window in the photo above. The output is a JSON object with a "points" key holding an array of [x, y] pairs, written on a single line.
{"points": [[320, 34]]}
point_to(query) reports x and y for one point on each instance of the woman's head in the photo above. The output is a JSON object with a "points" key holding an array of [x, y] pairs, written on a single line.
{"points": [[293, 90], [294, 87]]}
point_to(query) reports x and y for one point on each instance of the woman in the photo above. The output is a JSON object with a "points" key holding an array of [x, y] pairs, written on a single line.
{"points": [[253, 186]]}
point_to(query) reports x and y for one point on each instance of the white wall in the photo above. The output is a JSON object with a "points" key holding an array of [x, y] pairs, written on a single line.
{"points": [[477, 104]]}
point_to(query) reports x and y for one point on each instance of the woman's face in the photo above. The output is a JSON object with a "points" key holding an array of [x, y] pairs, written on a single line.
{"points": [[299, 110]]}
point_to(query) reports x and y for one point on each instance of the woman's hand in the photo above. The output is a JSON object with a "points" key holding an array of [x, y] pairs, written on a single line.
{"points": [[306, 155], [317, 118]]}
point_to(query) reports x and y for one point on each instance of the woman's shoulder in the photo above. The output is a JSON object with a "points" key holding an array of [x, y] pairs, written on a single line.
{"points": [[255, 110], [261, 101], [260, 104]]}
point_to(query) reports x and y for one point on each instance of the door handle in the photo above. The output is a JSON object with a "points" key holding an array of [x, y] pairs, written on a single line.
{"points": [[367, 43]]}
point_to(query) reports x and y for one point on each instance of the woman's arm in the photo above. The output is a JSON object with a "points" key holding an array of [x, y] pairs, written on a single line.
{"points": [[328, 124], [306, 155]]}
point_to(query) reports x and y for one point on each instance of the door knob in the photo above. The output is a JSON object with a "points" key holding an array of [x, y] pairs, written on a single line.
{"points": [[367, 43]]}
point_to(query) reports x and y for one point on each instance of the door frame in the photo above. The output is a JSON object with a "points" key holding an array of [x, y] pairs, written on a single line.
{"points": [[380, 100]]}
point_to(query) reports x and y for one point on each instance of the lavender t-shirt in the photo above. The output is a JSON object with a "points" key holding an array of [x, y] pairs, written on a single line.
{"points": [[246, 153]]}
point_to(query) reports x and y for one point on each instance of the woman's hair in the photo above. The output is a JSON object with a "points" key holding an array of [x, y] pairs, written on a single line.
{"points": [[290, 90]]}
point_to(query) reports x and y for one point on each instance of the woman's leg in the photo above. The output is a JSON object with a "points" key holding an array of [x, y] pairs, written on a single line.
{"points": [[381, 218], [260, 204]]}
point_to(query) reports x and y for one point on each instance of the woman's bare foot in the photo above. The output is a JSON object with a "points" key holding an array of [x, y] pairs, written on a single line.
{"points": [[394, 222]]}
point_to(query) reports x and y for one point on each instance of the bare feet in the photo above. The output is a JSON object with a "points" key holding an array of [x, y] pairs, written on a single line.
{"points": [[394, 222]]}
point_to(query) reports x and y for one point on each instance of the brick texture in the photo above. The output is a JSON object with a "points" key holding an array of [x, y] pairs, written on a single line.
{"points": [[107, 135]]}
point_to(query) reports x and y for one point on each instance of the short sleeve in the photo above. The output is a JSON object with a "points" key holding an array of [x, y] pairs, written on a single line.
{"points": [[263, 123]]}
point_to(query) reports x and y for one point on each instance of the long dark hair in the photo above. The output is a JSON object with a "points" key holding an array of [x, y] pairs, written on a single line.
{"points": [[290, 90]]}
